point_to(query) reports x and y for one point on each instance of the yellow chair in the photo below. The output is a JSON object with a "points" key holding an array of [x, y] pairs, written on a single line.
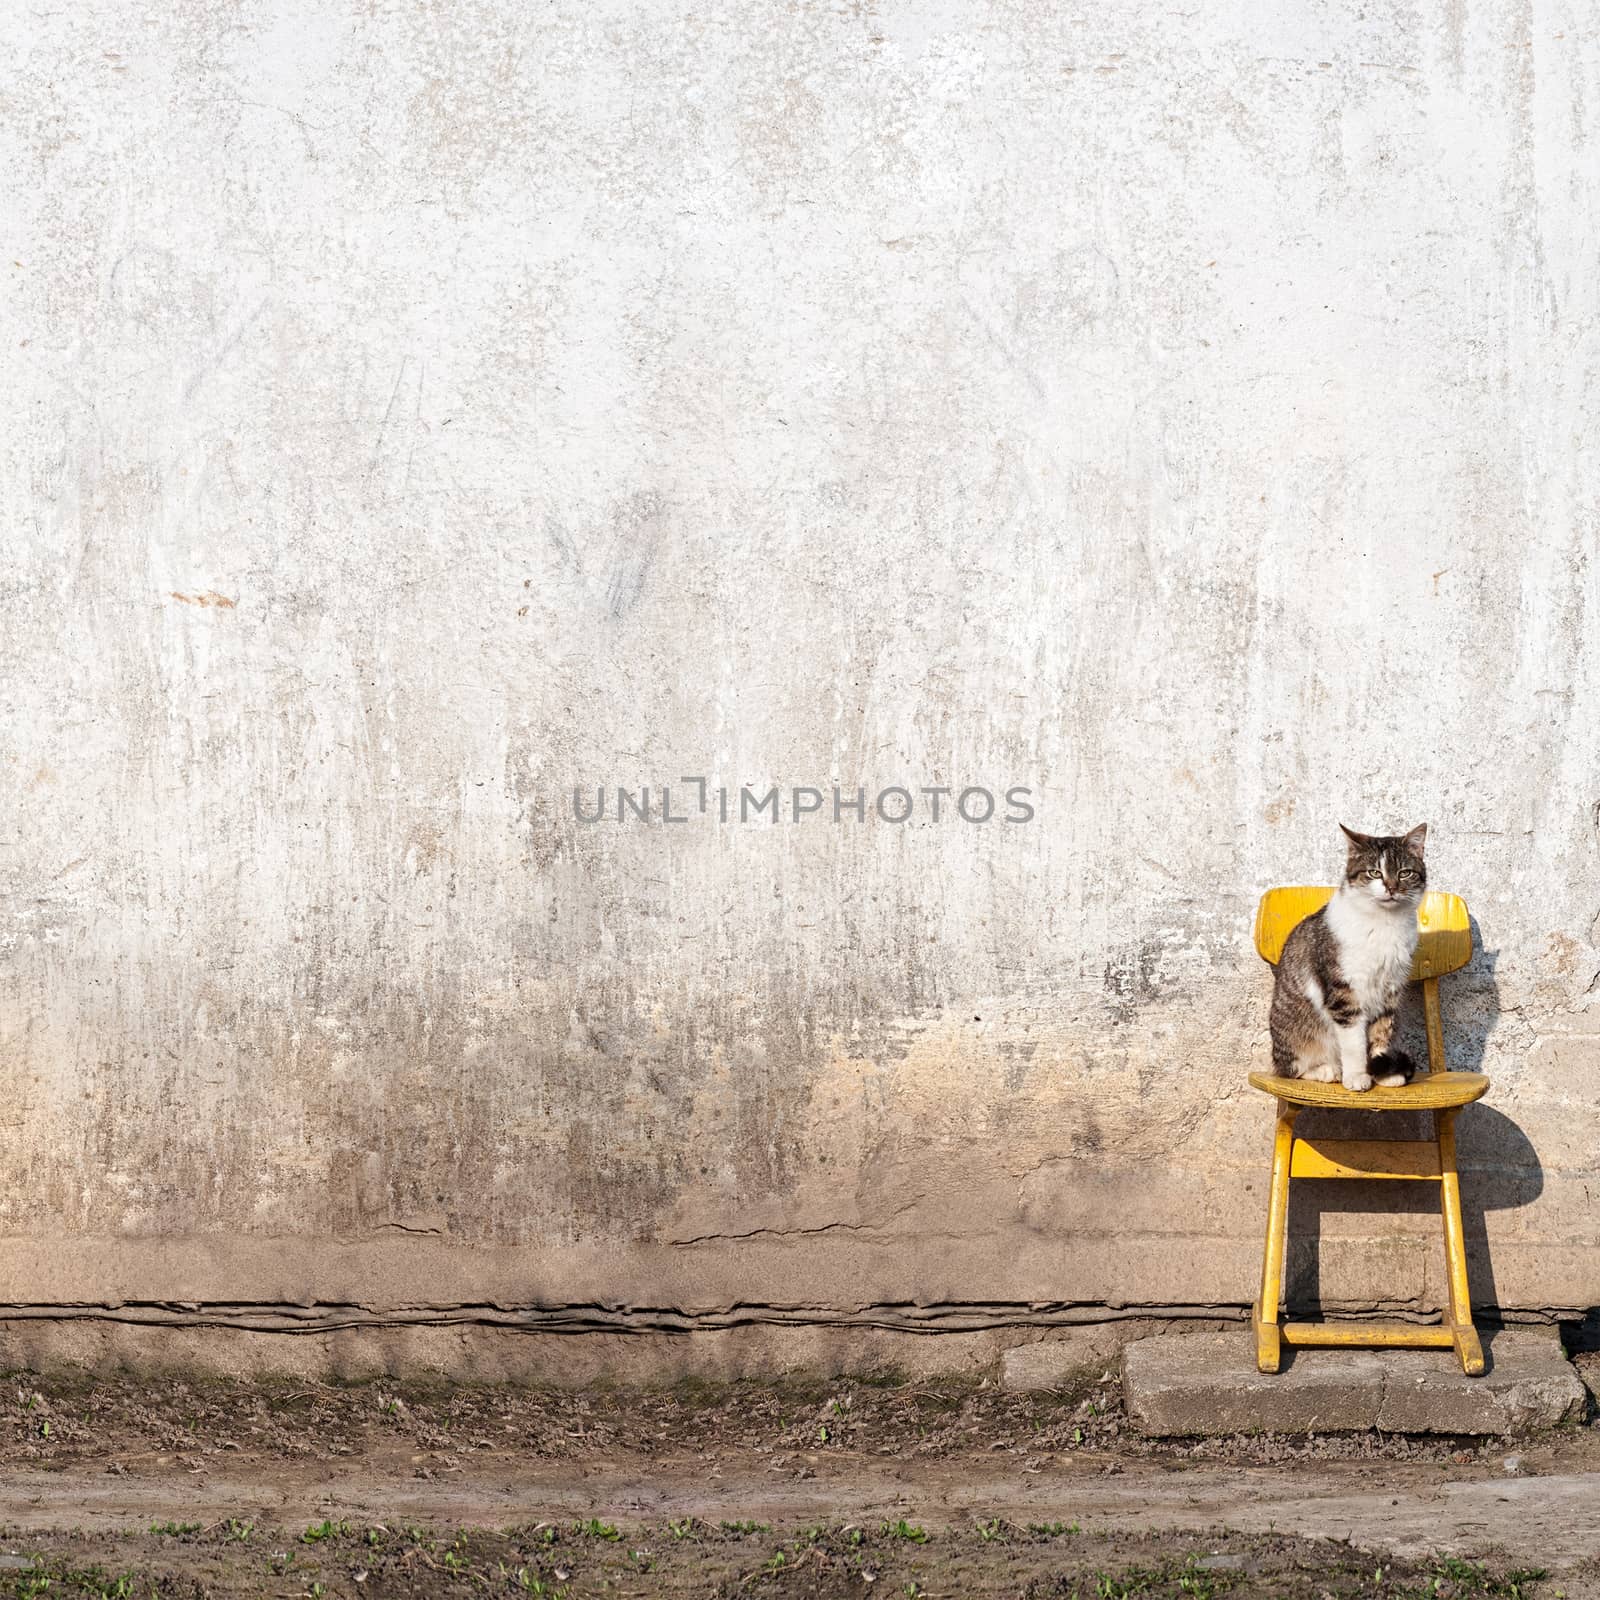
{"points": [[1444, 944]]}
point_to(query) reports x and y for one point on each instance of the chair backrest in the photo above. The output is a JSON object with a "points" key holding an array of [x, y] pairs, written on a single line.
{"points": [[1444, 940]]}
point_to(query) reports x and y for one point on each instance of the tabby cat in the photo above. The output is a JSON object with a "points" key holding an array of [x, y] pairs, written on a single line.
{"points": [[1344, 969]]}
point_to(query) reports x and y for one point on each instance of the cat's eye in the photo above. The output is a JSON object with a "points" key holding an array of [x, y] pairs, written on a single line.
{"points": [[1408, 876], [1372, 872]]}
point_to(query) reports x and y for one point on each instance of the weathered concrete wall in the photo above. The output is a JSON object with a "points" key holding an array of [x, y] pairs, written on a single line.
{"points": [[419, 411]]}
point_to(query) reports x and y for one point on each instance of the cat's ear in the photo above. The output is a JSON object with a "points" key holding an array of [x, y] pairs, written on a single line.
{"points": [[1415, 840], [1358, 841]]}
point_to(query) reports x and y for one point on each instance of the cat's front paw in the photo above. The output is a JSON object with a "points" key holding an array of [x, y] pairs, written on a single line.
{"points": [[1360, 1082]]}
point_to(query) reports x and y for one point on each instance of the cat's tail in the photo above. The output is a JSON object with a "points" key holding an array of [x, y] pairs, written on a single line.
{"points": [[1392, 1068]]}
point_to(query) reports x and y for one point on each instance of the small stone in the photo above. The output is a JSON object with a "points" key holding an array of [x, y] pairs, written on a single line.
{"points": [[1220, 1563], [1513, 1465]]}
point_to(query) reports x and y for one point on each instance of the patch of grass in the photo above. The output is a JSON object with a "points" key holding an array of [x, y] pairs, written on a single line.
{"points": [[1122, 1585], [531, 1583], [1451, 1578], [890, 1558], [318, 1531], [174, 1530], [54, 1579], [1172, 1579], [904, 1530], [1201, 1584]]}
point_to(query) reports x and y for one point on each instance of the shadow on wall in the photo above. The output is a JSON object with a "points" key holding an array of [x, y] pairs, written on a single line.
{"points": [[1500, 1169]]}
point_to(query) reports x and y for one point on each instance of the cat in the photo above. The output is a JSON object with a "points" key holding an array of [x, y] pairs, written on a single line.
{"points": [[1345, 967]]}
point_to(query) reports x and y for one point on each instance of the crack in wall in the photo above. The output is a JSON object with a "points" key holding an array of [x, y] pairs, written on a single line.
{"points": [[779, 1233], [801, 1233]]}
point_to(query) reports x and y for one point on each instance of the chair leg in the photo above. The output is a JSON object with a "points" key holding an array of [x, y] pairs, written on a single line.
{"points": [[1269, 1340], [1467, 1345]]}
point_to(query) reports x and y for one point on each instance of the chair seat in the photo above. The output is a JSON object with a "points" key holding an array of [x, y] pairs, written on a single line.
{"points": [[1430, 1091]]}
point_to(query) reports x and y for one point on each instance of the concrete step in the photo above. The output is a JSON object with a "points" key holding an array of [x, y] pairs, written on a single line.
{"points": [[1207, 1383]]}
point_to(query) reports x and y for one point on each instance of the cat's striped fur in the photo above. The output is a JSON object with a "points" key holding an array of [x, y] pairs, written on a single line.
{"points": [[1344, 969]]}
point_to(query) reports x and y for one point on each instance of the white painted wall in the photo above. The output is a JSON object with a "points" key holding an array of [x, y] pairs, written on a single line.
{"points": [[416, 412]]}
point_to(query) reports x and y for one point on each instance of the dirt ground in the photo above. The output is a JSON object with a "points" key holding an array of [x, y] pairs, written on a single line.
{"points": [[121, 1487]]}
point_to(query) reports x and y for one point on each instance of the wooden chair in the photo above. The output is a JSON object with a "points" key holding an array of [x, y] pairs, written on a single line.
{"points": [[1444, 944]]}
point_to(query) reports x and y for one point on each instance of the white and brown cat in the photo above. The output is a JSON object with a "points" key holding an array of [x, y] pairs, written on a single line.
{"points": [[1344, 969]]}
